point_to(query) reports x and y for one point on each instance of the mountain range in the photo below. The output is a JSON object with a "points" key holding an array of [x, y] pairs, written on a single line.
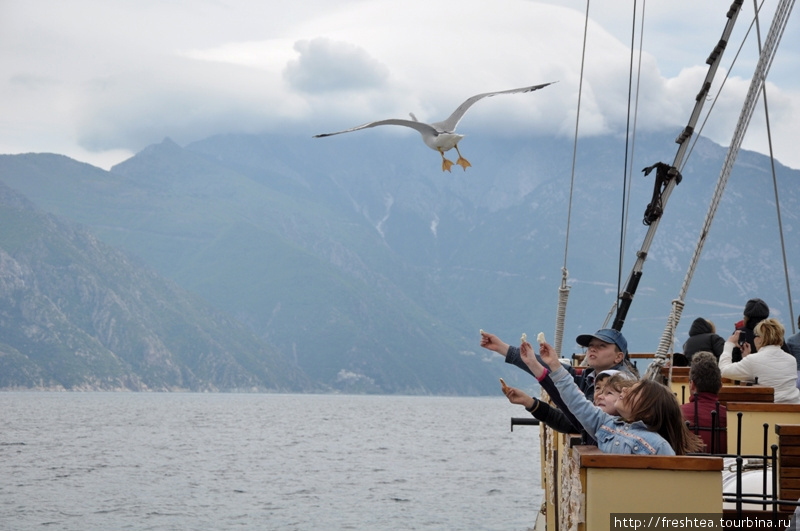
{"points": [[354, 264]]}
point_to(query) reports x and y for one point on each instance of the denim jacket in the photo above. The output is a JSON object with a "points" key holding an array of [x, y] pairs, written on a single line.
{"points": [[613, 435]]}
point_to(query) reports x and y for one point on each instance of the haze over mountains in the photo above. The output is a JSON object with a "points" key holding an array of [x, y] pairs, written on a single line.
{"points": [[353, 264]]}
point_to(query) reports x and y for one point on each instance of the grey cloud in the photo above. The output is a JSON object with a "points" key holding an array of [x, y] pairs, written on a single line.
{"points": [[32, 81], [185, 100], [325, 65]]}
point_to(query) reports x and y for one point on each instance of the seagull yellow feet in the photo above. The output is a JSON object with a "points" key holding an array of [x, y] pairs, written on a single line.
{"points": [[464, 163], [446, 164]]}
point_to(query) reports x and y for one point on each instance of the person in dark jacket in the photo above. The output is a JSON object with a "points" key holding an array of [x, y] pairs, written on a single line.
{"points": [[755, 311], [702, 336], [705, 381]]}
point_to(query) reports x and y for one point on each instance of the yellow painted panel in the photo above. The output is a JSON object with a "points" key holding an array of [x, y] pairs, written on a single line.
{"points": [[681, 391], [753, 429], [611, 491]]}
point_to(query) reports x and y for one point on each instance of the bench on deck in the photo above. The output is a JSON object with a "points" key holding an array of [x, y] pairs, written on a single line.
{"points": [[612, 483], [732, 391], [755, 415]]}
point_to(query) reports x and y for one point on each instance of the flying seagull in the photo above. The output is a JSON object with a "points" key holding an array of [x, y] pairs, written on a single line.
{"points": [[440, 136]]}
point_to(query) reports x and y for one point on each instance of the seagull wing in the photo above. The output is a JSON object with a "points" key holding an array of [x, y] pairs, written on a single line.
{"points": [[425, 129], [451, 122]]}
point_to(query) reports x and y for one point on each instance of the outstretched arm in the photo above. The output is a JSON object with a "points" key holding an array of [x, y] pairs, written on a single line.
{"points": [[547, 414], [493, 343], [511, 353], [529, 357], [541, 372], [590, 416], [548, 355]]}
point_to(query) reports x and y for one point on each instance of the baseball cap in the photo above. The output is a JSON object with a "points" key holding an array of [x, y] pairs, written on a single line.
{"points": [[607, 335]]}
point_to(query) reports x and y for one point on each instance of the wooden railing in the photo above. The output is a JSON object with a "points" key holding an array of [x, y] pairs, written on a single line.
{"points": [[732, 391]]}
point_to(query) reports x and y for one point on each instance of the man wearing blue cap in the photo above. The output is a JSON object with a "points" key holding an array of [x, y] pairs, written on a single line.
{"points": [[606, 350]]}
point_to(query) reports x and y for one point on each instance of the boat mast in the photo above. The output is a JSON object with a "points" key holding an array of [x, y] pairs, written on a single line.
{"points": [[670, 175], [756, 86]]}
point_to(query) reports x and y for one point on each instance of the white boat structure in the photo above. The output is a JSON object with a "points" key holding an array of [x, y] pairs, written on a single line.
{"points": [[757, 484]]}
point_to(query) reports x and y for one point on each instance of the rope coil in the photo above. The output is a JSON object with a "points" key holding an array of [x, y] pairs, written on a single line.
{"points": [[563, 295]]}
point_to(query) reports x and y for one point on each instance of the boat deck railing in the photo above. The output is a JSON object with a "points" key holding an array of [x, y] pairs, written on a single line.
{"points": [[758, 481]]}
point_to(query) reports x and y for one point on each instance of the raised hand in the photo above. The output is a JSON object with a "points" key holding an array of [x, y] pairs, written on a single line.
{"points": [[492, 342], [529, 357], [549, 355], [735, 336], [516, 396], [745, 349]]}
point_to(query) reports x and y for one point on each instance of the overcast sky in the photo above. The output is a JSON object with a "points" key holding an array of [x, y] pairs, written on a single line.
{"points": [[98, 80]]}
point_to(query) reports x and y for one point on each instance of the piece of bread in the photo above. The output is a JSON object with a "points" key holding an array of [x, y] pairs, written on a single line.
{"points": [[503, 383]]}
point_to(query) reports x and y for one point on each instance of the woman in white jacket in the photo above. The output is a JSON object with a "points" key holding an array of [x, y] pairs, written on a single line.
{"points": [[770, 364]]}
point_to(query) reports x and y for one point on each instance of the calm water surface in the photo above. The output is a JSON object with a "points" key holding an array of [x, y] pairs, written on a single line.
{"points": [[108, 461]]}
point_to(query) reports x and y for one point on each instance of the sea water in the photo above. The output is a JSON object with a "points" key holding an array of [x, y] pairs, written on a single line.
{"points": [[215, 462]]}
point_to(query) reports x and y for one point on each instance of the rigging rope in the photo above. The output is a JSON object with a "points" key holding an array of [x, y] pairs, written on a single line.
{"points": [[629, 165], [775, 179], [635, 112], [719, 92], [625, 165], [756, 85], [672, 177], [563, 291]]}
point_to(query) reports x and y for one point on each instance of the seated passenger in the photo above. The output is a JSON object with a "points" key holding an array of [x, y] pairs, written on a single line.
{"points": [[650, 421], [755, 311], [705, 382], [703, 336], [770, 364]]}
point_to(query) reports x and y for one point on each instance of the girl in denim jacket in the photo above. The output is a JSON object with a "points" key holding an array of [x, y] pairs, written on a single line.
{"points": [[650, 421]]}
